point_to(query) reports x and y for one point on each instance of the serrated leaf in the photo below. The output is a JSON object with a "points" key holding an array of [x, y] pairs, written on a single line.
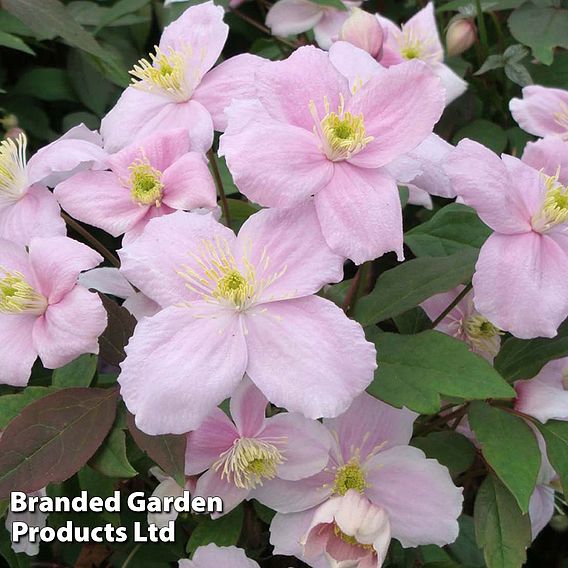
{"points": [[224, 531], [78, 373], [509, 446], [417, 370], [54, 437], [110, 459], [555, 433], [407, 285], [168, 451], [501, 529]]}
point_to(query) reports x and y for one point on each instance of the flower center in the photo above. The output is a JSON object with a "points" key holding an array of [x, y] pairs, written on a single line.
{"points": [[250, 461], [349, 476], [414, 45], [350, 539], [165, 73], [342, 134], [482, 334], [145, 183], [554, 210], [17, 296], [13, 178]]}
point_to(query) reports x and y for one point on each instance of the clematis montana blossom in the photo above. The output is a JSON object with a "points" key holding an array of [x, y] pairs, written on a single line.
{"points": [[176, 87], [348, 531], [371, 456], [43, 311], [419, 39], [308, 135], [519, 280], [213, 555], [149, 178], [542, 111], [238, 305], [252, 450]]}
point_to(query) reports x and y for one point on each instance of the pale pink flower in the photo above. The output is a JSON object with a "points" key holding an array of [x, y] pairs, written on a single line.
{"points": [[542, 111], [550, 155], [348, 531], [363, 30], [43, 312], [305, 137], [176, 87], [419, 39], [167, 487], [371, 455], [461, 35], [464, 322], [545, 396], [147, 179], [213, 556], [520, 276], [238, 305], [36, 519], [239, 455], [292, 17]]}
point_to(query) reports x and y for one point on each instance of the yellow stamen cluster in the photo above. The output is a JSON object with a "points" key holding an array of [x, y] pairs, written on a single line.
{"points": [[250, 461], [554, 209], [220, 279], [13, 178], [351, 539], [165, 74], [342, 133], [145, 183], [413, 45], [482, 334], [17, 296], [349, 476]]}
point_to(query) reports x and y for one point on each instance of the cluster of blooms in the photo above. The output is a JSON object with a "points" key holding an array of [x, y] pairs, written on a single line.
{"points": [[321, 140]]}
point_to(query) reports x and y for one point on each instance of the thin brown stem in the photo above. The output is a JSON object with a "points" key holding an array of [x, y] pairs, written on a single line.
{"points": [[357, 287], [441, 420], [352, 291], [452, 305], [262, 28], [91, 239], [219, 184]]}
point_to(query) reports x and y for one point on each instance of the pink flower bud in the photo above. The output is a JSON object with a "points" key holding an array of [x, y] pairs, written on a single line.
{"points": [[461, 35], [364, 31]]}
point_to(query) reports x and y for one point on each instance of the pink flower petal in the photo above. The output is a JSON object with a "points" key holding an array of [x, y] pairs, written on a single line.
{"points": [[453, 84], [213, 555], [248, 409], [204, 445], [285, 335], [212, 484], [291, 240], [360, 213], [541, 508], [36, 214], [286, 532], [14, 258], [519, 284], [189, 388], [17, 351], [418, 494], [548, 155], [423, 25], [108, 281], [291, 17], [353, 63], [326, 31], [69, 328]]}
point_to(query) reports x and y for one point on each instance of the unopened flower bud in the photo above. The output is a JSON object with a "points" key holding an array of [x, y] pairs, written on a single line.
{"points": [[9, 121], [363, 30], [460, 36]]}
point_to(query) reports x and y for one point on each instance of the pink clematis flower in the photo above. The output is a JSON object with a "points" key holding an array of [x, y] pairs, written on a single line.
{"points": [[550, 155], [363, 30], [545, 396], [252, 450], [320, 140], [291, 17], [239, 305], [419, 39], [519, 280], [542, 111], [465, 323], [176, 87], [42, 309], [149, 178], [348, 531], [213, 555], [371, 456]]}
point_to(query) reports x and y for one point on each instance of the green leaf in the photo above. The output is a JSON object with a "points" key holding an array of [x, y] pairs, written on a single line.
{"points": [[485, 132], [453, 228], [11, 405], [78, 373], [14, 42], [519, 74], [514, 53], [518, 139], [224, 531], [501, 529], [47, 84], [119, 9], [555, 75], [265, 514], [332, 4], [110, 459], [54, 437], [486, 5], [555, 433], [94, 483], [465, 547], [240, 211], [412, 321], [541, 28], [451, 449], [524, 358], [416, 370], [407, 285], [509, 446], [492, 62]]}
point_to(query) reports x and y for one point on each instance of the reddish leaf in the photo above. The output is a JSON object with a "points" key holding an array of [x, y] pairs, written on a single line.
{"points": [[167, 451], [119, 329], [54, 437]]}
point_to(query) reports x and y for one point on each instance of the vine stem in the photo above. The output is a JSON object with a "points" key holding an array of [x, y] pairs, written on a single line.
{"points": [[455, 302], [355, 288], [93, 240], [262, 28], [482, 29], [131, 556], [219, 184]]}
